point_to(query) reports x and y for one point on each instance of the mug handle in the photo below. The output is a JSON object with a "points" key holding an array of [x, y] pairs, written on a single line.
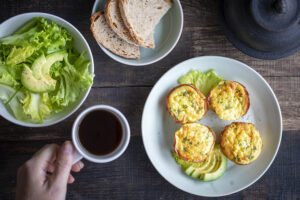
{"points": [[77, 157]]}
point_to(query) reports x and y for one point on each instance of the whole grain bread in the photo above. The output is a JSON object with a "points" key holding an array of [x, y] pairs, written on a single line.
{"points": [[114, 19], [141, 17], [110, 40]]}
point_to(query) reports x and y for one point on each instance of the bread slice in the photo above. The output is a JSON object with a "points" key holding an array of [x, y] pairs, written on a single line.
{"points": [[116, 23], [141, 17], [110, 40]]}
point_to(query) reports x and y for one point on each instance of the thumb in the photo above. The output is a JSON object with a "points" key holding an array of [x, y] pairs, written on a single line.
{"points": [[63, 164]]}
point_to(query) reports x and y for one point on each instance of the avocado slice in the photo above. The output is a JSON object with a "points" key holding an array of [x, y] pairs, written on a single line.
{"points": [[36, 66], [218, 172], [33, 84], [38, 79], [51, 59], [210, 169], [211, 165], [204, 164], [189, 171]]}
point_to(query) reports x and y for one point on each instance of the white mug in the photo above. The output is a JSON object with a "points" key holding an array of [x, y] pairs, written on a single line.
{"points": [[81, 152]]}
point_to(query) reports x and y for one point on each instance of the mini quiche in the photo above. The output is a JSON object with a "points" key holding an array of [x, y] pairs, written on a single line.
{"points": [[229, 99], [241, 142], [186, 104], [194, 142]]}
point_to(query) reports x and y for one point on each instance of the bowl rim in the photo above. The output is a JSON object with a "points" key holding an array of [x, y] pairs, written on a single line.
{"points": [[248, 68], [47, 15], [128, 61]]}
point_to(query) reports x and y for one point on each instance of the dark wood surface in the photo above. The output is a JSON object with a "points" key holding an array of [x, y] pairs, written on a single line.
{"points": [[132, 176]]}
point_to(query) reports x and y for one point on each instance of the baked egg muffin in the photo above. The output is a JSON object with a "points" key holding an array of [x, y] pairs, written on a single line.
{"points": [[186, 104], [229, 99], [241, 142], [194, 142]]}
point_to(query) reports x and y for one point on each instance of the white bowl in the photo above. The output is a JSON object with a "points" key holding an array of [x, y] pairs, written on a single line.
{"points": [[9, 26], [158, 127], [166, 35]]}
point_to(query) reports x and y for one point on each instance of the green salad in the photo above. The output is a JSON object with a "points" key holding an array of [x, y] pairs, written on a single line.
{"points": [[40, 71]]}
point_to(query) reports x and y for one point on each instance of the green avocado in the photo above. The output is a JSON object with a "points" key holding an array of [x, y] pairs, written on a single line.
{"points": [[38, 79], [199, 171], [210, 169], [218, 171]]}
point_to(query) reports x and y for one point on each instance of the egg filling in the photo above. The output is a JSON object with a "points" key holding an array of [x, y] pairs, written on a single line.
{"points": [[186, 104], [194, 142], [229, 99], [241, 142]]}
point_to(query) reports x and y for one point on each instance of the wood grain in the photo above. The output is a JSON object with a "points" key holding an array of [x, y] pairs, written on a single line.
{"points": [[132, 176]]}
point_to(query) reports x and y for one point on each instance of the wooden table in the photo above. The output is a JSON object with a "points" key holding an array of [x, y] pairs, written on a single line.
{"points": [[132, 176]]}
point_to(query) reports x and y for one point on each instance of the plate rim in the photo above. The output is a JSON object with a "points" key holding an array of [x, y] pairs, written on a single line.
{"points": [[249, 68]]}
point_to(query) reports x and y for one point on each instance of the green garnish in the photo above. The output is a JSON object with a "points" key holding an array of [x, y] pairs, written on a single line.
{"points": [[204, 81]]}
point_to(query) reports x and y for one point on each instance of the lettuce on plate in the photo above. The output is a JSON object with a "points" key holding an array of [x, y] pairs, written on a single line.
{"points": [[204, 81], [41, 37]]}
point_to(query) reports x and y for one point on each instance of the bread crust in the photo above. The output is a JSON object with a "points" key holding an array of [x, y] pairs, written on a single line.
{"points": [[124, 14], [198, 92], [130, 28], [109, 20], [93, 20]]}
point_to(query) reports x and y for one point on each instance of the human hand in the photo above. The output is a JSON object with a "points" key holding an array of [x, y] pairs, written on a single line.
{"points": [[46, 174]]}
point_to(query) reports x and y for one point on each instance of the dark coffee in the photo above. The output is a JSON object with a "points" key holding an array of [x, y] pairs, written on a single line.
{"points": [[100, 132]]}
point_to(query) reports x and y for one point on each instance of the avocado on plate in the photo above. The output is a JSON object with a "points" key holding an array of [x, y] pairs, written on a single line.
{"points": [[210, 169]]}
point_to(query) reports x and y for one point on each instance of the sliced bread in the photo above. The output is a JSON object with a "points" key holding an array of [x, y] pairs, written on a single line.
{"points": [[110, 40], [141, 17], [114, 19]]}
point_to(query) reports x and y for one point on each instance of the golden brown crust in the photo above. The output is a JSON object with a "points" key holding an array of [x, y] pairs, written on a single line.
{"points": [[94, 17], [198, 92], [208, 154], [170, 2], [111, 23], [222, 141], [93, 20]]}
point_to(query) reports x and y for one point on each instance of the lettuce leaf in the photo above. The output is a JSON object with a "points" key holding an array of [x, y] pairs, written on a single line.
{"points": [[183, 163], [37, 106], [7, 79], [19, 55], [4, 52], [12, 98], [72, 82], [204, 81], [40, 34]]}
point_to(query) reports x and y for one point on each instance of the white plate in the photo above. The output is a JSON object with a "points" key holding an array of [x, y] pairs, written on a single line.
{"points": [[158, 127], [9, 26]]}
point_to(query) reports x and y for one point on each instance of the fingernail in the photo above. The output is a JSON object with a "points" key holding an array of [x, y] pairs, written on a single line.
{"points": [[68, 148], [81, 165]]}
